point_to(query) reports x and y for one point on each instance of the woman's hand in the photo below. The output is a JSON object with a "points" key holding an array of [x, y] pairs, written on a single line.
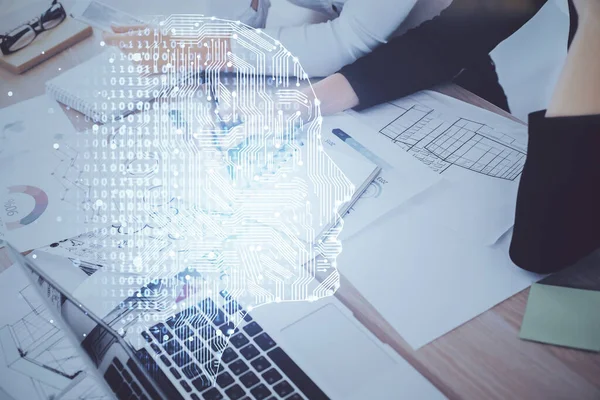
{"points": [[578, 89], [138, 43], [151, 46], [334, 94], [588, 9]]}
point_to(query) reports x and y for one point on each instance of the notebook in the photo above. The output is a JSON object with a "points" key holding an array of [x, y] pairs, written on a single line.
{"points": [[104, 88], [108, 87], [46, 45]]}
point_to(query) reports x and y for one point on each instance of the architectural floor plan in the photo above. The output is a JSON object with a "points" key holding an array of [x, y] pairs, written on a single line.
{"points": [[478, 154], [440, 143], [37, 361]]}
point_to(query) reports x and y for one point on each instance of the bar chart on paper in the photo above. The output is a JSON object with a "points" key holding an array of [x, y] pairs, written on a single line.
{"points": [[442, 142]]}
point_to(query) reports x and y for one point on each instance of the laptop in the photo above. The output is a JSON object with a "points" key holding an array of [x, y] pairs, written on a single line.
{"points": [[305, 350]]}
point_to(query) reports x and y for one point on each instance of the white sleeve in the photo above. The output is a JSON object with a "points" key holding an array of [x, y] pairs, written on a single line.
{"points": [[324, 48], [241, 10]]}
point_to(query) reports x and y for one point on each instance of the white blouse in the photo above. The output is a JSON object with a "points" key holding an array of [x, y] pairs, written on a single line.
{"points": [[355, 28]]}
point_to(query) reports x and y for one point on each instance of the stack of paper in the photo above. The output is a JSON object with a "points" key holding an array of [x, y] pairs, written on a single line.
{"points": [[440, 258]]}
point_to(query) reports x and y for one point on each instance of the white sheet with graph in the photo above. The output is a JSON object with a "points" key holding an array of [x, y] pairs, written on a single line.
{"points": [[37, 360], [441, 141], [480, 156]]}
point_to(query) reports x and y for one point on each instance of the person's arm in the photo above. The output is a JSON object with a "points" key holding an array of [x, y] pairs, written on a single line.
{"points": [[432, 53], [324, 48], [251, 12], [557, 220], [578, 89]]}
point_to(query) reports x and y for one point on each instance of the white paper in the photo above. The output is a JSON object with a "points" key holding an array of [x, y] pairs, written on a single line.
{"points": [[33, 124], [343, 161], [108, 247], [40, 190], [37, 361], [40, 199], [423, 279], [479, 153], [401, 177]]}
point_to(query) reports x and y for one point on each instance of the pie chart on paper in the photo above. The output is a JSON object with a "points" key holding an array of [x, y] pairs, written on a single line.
{"points": [[40, 205]]}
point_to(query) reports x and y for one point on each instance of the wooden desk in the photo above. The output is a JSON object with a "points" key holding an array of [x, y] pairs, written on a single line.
{"points": [[483, 359]]}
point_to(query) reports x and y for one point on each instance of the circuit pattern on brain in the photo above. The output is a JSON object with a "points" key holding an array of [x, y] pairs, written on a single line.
{"points": [[221, 181]]}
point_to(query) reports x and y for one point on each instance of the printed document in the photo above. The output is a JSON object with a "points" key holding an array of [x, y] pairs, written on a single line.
{"points": [[480, 154]]}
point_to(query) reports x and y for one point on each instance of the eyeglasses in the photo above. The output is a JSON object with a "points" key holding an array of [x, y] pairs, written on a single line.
{"points": [[22, 36]]}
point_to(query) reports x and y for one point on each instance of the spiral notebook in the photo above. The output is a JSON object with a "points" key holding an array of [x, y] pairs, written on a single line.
{"points": [[108, 87], [104, 88]]}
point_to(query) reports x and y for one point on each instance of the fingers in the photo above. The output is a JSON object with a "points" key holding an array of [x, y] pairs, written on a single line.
{"points": [[123, 42], [127, 28], [118, 38], [125, 38], [111, 39], [125, 32]]}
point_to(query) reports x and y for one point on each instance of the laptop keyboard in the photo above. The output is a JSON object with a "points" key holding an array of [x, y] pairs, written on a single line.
{"points": [[191, 347], [122, 382]]}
